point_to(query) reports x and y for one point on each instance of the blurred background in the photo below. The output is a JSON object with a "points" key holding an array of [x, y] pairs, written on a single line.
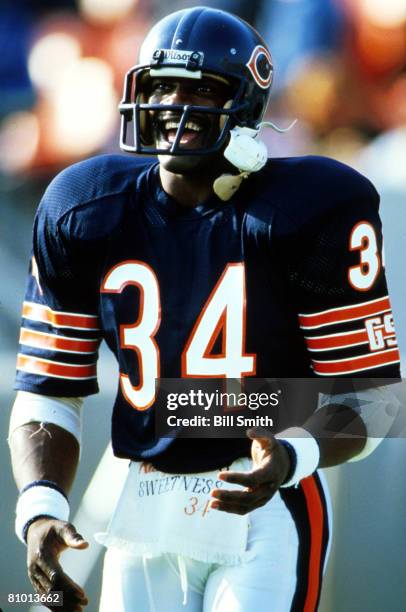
{"points": [[340, 70]]}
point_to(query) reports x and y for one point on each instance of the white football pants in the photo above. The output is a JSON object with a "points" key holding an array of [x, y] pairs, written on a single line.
{"points": [[289, 540]]}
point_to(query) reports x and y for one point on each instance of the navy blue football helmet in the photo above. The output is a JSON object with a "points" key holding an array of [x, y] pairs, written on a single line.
{"points": [[194, 43]]}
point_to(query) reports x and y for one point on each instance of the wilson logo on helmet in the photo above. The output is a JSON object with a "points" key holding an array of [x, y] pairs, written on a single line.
{"points": [[181, 57], [260, 66]]}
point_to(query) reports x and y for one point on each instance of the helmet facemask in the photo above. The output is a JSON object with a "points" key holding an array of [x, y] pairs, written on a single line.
{"points": [[140, 117]]}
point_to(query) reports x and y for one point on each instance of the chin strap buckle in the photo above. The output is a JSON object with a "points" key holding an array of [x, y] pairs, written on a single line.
{"points": [[226, 185]]}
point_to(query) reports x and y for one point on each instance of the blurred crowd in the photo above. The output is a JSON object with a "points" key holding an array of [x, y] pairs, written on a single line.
{"points": [[339, 70]]}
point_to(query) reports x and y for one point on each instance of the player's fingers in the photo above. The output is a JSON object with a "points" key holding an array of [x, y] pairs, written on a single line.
{"points": [[71, 600], [254, 478], [37, 586], [73, 592], [50, 567], [59, 581], [239, 508], [263, 436], [227, 507], [245, 479], [246, 497], [38, 577], [70, 537], [38, 581], [247, 500]]}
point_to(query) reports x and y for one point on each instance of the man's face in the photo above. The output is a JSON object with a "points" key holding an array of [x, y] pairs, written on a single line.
{"points": [[202, 129]]}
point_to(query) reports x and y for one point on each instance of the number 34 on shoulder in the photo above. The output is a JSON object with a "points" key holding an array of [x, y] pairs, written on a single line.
{"points": [[355, 336]]}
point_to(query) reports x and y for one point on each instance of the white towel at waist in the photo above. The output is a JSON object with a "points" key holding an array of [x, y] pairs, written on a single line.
{"points": [[170, 513]]}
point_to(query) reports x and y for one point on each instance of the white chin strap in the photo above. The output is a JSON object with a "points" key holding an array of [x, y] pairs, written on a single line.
{"points": [[246, 152]]}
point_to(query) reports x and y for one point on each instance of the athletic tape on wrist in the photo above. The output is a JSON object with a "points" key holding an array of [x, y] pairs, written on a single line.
{"points": [[307, 453], [41, 498]]}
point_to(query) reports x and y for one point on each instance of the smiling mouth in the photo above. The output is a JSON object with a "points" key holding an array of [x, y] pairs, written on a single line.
{"points": [[192, 135]]}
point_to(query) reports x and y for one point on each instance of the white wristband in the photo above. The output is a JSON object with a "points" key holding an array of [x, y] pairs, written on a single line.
{"points": [[307, 453], [39, 500]]}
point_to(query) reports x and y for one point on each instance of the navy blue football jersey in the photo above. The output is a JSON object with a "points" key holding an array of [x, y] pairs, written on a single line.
{"points": [[284, 280]]}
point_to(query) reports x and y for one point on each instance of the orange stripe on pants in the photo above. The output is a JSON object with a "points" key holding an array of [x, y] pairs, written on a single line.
{"points": [[316, 521]]}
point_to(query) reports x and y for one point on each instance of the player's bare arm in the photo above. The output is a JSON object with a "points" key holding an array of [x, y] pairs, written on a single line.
{"points": [[50, 453]]}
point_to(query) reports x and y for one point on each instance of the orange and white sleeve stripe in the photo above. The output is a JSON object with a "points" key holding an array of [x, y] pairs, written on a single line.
{"points": [[58, 344], [351, 338], [44, 314]]}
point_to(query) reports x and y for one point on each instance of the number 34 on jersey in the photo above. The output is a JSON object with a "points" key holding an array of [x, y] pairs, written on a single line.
{"points": [[224, 313]]}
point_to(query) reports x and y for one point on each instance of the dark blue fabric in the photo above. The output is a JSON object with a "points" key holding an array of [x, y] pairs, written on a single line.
{"points": [[289, 224]]}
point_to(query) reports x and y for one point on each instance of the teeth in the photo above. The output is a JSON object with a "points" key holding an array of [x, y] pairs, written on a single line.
{"points": [[171, 125], [190, 125]]}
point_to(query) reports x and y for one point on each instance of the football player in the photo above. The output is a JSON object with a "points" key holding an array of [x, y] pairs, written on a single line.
{"points": [[201, 258]]}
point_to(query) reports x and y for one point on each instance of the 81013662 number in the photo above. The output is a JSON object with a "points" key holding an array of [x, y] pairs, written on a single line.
{"points": [[55, 598]]}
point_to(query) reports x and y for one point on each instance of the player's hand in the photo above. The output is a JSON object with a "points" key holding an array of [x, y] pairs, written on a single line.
{"points": [[46, 540], [271, 464]]}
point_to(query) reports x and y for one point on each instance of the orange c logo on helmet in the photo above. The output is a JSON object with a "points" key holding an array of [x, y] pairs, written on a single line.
{"points": [[260, 66]]}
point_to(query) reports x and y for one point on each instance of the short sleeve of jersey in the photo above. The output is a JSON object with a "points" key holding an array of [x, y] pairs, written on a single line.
{"points": [[340, 291], [60, 331]]}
